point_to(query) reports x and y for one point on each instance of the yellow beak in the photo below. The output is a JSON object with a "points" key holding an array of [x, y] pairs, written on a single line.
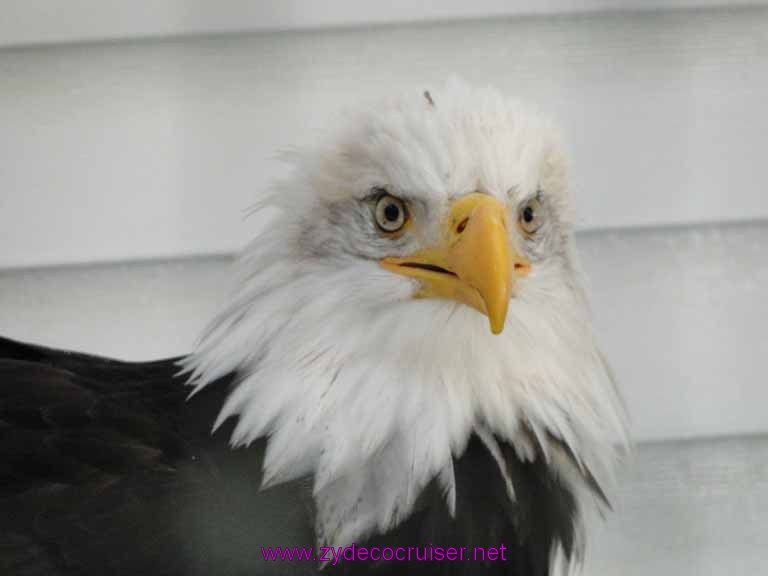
{"points": [[473, 263]]}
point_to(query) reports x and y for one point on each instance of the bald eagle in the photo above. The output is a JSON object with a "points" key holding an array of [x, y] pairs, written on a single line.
{"points": [[407, 363]]}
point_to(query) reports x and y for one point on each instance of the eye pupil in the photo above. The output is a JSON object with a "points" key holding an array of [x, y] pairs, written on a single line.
{"points": [[392, 212], [528, 214]]}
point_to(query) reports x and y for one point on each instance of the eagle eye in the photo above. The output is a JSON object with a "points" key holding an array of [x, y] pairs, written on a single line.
{"points": [[391, 213], [531, 216]]}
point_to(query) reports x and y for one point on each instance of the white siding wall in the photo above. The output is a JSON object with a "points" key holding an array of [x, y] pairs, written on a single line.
{"points": [[49, 21], [687, 509]]}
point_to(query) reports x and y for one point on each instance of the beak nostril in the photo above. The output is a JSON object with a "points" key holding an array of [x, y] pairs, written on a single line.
{"points": [[462, 225]]}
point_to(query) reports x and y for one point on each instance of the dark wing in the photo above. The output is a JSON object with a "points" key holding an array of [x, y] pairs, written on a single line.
{"points": [[106, 468]]}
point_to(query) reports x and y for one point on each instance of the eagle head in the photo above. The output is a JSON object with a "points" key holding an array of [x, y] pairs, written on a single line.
{"points": [[416, 284]]}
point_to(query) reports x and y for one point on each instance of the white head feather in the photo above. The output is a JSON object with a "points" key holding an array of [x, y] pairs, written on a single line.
{"points": [[370, 391]]}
